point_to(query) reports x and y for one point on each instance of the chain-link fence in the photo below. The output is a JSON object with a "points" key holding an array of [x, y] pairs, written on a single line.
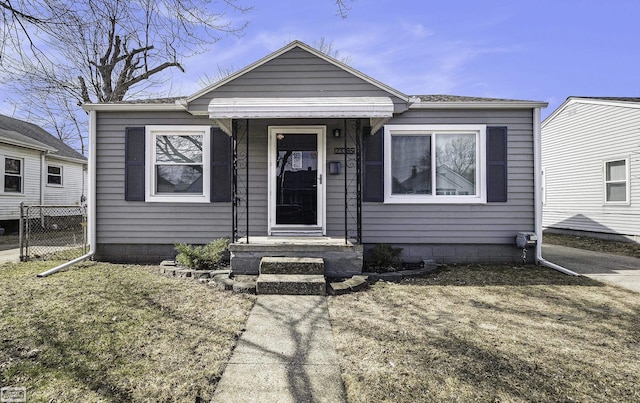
{"points": [[52, 232]]}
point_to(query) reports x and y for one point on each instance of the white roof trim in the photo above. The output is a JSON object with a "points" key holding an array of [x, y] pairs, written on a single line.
{"points": [[478, 105], [319, 107], [27, 143], [134, 107], [309, 49], [594, 101]]}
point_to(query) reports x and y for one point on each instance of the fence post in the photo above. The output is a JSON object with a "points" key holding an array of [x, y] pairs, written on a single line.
{"points": [[21, 231]]}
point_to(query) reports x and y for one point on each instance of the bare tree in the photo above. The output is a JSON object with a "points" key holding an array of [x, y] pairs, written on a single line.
{"points": [[58, 54], [327, 48], [103, 51], [459, 155], [343, 7]]}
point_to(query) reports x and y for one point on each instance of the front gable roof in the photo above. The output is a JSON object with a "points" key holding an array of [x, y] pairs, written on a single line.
{"points": [[304, 47]]}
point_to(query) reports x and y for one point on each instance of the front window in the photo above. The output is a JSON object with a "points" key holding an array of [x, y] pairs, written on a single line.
{"points": [[13, 172], [54, 175], [434, 164], [178, 168], [616, 183]]}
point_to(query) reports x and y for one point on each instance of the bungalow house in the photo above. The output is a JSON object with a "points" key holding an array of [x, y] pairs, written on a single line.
{"points": [[592, 187], [300, 151], [36, 168]]}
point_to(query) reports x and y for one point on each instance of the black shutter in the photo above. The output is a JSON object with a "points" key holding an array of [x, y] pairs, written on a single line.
{"points": [[134, 164], [220, 166], [496, 164], [373, 172]]}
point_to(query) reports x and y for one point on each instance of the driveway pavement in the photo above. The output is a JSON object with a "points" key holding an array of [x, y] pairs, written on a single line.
{"points": [[10, 256], [619, 270]]}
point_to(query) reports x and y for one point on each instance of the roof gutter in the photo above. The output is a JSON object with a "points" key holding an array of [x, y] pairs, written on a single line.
{"points": [[91, 215], [537, 166], [478, 105]]}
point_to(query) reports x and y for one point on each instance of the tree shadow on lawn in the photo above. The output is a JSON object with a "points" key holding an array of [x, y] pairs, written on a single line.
{"points": [[552, 338], [98, 334]]}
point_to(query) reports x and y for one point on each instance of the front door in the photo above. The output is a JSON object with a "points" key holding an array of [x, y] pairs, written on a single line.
{"points": [[296, 180]]}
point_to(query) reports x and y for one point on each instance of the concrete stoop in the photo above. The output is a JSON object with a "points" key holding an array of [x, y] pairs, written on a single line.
{"points": [[291, 276]]}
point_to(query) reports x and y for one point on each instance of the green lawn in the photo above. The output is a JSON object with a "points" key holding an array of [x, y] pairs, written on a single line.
{"points": [[104, 332]]}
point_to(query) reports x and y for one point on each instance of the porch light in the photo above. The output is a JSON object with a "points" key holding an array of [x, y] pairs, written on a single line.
{"points": [[336, 132]]}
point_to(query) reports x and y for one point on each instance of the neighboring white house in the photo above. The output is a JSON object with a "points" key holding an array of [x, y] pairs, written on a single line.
{"points": [[36, 168], [591, 167]]}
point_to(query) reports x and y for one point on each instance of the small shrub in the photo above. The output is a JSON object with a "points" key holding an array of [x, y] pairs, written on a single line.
{"points": [[384, 257], [209, 256]]}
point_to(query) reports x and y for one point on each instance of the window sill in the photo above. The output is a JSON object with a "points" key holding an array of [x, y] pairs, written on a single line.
{"points": [[435, 200], [178, 199]]}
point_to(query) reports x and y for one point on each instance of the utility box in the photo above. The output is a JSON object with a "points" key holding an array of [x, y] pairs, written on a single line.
{"points": [[526, 239]]}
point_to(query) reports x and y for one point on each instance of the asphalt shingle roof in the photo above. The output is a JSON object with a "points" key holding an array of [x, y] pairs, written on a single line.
{"points": [[37, 134], [459, 98]]}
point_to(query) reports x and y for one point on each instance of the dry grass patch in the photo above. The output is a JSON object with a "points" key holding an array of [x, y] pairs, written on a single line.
{"points": [[631, 249], [104, 332], [489, 333]]}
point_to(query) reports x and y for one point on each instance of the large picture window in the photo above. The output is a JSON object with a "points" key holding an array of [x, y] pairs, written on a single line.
{"points": [[13, 175], [178, 163], [616, 181], [434, 164]]}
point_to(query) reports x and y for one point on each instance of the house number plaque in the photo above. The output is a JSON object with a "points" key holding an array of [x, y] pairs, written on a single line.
{"points": [[342, 150]]}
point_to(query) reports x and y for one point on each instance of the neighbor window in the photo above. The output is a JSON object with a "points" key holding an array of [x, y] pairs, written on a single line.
{"points": [[616, 181], [178, 163], [54, 175], [434, 164], [13, 174]]}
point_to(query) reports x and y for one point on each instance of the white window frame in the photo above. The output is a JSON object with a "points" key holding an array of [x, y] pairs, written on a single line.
{"points": [[151, 132], [626, 181], [61, 184], [2, 171], [480, 132]]}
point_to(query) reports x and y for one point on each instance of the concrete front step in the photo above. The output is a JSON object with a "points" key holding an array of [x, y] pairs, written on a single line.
{"points": [[291, 284], [291, 265]]}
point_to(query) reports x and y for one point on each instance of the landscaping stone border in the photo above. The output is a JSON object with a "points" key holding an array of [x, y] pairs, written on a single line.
{"points": [[223, 280], [220, 279]]}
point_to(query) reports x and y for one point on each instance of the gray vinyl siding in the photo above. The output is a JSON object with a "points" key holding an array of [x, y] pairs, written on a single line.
{"points": [[123, 222], [295, 73], [575, 144], [490, 223], [119, 221], [258, 170]]}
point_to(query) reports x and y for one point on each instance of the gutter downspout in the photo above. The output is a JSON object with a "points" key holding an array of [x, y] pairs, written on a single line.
{"points": [[43, 175], [537, 166], [91, 214]]}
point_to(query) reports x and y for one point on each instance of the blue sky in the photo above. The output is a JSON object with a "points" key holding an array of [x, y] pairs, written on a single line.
{"points": [[544, 50]]}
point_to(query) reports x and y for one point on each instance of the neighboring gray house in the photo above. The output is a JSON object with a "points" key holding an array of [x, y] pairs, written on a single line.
{"points": [[591, 163], [300, 145], [36, 168]]}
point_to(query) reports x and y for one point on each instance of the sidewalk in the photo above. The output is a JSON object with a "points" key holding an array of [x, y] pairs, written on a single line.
{"points": [[10, 256], [286, 354], [619, 270]]}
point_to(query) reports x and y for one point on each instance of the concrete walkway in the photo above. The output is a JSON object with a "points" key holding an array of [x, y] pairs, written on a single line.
{"points": [[286, 354], [10, 256], [619, 270]]}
